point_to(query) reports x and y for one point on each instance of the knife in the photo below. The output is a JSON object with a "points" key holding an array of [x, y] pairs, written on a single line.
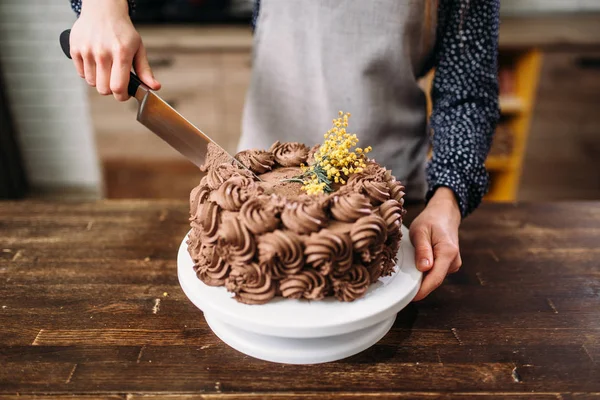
{"points": [[162, 119]]}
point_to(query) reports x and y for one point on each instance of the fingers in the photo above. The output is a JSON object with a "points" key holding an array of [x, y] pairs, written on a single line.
{"points": [[77, 61], [421, 240], [143, 70], [103, 68], [445, 255], [119, 78], [456, 264], [89, 68]]}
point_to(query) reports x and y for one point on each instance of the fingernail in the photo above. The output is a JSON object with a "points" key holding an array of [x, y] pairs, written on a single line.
{"points": [[423, 263]]}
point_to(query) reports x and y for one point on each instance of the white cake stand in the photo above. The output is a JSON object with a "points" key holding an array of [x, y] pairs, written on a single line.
{"points": [[300, 331]]}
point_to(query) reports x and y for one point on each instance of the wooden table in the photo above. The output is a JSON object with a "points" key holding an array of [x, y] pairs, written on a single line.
{"points": [[90, 305]]}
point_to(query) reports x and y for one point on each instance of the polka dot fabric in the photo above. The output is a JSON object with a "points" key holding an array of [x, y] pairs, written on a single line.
{"points": [[465, 99], [76, 6]]}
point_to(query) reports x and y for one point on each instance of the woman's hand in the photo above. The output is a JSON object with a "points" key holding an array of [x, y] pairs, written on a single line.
{"points": [[434, 234], [104, 46]]}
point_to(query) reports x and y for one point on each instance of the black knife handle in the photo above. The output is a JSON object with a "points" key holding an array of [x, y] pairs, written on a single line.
{"points": [[134, 81]]}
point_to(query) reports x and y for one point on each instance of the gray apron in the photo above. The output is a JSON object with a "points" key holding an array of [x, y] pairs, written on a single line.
{"points": [[313, 58]]}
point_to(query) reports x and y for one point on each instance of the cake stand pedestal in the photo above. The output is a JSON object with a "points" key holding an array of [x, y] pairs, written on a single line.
{"points": [[301, 331]]}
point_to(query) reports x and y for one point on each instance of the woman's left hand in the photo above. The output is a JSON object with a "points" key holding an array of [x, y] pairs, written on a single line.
{"points": [[434, 234]]}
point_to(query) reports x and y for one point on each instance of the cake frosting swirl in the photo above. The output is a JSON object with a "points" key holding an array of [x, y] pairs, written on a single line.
{"points": [[371, 185], [351, 206], [197, 197], [329, 252], [262, 238], [260, 215], [368, 235], [235, 191], [251, 283], [353, 284], [258, 161], [209, 267], [304, 215], [307, 284], [222, 172], [281, 252], [208, 217], [236, 244], [289, 154], [391, 212]]}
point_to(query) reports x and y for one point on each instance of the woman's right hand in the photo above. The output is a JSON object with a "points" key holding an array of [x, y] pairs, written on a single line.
{"points": [[105, 45]]}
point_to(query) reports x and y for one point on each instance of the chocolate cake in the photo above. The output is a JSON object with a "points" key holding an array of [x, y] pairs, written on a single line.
{"points": [[269, 237]]}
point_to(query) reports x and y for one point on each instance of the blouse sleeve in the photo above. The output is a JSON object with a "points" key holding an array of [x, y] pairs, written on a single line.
{"points": [[465, 99], [76, 6]]}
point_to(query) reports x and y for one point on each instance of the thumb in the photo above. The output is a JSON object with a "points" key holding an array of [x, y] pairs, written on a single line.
{"points": [[143, 70], [421, 240]]}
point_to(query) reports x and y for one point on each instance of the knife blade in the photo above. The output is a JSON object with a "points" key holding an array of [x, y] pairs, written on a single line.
{"points": [[163, 120]]}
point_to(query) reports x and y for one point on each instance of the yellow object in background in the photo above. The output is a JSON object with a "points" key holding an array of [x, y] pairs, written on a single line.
{"points": [[519, 76]]}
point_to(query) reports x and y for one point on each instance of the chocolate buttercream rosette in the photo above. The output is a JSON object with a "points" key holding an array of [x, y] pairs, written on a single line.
{"points": [[353, 284], [261, 214], [350, 206], [210, 267], [328, 252], [373, 186], [368, 236], [281, 253], [307, 284], [251, 284], [305, 214], [258, 161], [289, 154], [235, 191], [391, 211], [236, 244]]}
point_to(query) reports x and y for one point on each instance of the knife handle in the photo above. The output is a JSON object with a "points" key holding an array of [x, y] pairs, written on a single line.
{"points": [[134, 81]]}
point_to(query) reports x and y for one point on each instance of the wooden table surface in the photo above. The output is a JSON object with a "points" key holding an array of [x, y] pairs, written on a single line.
{"points": [[90, 306]]}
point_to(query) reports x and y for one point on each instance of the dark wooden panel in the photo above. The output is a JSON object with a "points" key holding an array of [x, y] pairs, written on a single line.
{"points": [[14, 332], [13, 179], [390, 350], [305, 396], [69, 354], [34, 375], [581, 396], [71, 396], [251, 377]]}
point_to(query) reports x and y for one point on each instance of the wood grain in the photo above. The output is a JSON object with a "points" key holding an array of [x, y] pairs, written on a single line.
{"points": [[80, 284]]}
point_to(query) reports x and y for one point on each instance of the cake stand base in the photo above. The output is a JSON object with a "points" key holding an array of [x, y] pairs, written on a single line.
{"points": [[301, 331], [299, 351]]}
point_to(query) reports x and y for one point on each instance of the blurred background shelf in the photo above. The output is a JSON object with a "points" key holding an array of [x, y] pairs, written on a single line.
{"points": [[511, 104], [519, 74], [499, 163]]}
